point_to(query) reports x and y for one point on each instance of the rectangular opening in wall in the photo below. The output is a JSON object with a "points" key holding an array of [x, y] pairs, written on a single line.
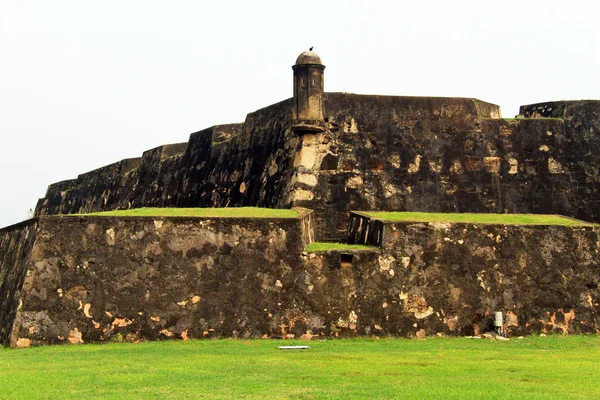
{"points": [[346, 259]]}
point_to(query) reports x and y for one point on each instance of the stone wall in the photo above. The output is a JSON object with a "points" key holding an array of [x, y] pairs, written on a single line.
{"points": [[16, 242], [94, 279], [225, 165], [447, 155], [378, 153], [102, 278], [452, 277]]}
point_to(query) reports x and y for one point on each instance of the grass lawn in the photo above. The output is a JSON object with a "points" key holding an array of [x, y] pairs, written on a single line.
{"points": [[233, 212], [316, 247], [441, 368], [504, 219]]}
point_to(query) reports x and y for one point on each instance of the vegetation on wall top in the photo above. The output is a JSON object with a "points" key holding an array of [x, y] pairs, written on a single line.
{"points": [[501, 219], [233, 212]]}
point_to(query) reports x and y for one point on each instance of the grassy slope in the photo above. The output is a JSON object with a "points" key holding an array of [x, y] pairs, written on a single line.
{"points": [[505, 219], [233, 212], [458, 368]]}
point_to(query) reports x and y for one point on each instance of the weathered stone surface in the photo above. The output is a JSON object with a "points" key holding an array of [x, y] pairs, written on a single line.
{"points": [[544, 278], [178, 278], [16, 242], [93, 280], [102, 278], [378, 153], [447, 155], [226, 165], [387, 153]]}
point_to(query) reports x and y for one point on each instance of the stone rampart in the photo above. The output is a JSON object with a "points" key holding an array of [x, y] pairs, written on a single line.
{"points": [[225, 165], [16, 242], [453, 277], [96, 279], [386, 154], [378, 153]]}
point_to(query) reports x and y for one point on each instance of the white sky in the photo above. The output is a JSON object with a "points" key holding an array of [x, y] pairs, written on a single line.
{"points": [[87, 83]]}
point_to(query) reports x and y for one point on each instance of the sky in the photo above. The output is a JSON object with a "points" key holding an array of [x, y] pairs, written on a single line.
{"points": [[87, 83]]}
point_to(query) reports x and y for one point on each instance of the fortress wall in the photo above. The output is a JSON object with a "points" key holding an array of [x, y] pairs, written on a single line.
{"points": [[443, 155], [16, 242], [395, 153], [225, 165], [379, 153], [251, 169], [170, 150], [115, 186], [584, 110], [102, 278], [62, 185], [551, 109], [578, 155], [453, 277], [569, 184]]}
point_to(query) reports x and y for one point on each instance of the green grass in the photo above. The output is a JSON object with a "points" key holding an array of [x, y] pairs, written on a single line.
{"points": [[316, 247], [504, 219], [533, 368], [233, 212]]}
